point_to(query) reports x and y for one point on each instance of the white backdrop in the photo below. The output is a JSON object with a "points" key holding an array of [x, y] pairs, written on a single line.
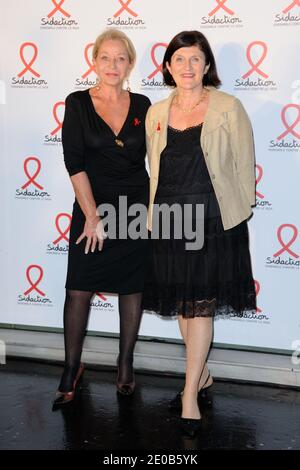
{"points": [[45, 53]]}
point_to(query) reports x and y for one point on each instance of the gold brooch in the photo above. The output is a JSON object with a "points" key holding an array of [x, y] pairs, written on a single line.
{"points": [[119, 143]]}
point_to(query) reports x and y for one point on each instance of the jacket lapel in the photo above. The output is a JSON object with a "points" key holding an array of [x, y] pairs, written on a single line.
{"points": [[163, 120], [213, 118]]}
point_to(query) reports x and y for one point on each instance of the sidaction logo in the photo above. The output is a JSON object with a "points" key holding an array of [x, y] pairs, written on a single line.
{"points": [[29, 76], [126, 17], [256, 78], [88, 77], [32, 187], [60, 245], [155, 79], [259, 315], [59, 17], [54, 138], [286, 256], [100, 302], [261, 200], [34, 293], [253, 316], [289, 138], [221, 16], [289, 15]]}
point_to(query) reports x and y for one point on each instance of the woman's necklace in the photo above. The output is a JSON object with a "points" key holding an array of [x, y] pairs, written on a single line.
{"points": [[189, 110]]}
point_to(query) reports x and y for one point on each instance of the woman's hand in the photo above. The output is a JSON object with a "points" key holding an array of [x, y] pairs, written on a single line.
{"points": [[94, 232]]}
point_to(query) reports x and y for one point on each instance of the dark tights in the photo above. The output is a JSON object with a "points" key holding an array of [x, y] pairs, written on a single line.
{"points": [[76, 314]]}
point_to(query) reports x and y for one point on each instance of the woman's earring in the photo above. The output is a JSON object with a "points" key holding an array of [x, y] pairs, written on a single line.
{"points": [[97, 84], [128, 85]]}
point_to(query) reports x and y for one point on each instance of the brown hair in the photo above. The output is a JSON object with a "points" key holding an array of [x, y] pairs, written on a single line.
{"points": [[188, 39]]}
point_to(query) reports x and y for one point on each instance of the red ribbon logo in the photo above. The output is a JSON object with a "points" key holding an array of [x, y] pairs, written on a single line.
{"points": [[257, 289], [286, 246], [59, 103], [28, 64], [63, 233], [157, 65], [255, 67], [58, 8], [90, 64], [295, 3], [31, 178], [125, 7], [259, 177], [34, 284], [101, 296], [290, 128], [221, 4]]}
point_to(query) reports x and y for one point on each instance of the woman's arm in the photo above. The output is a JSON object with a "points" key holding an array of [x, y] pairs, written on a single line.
{"points": [[241, 138], [74, 156], [93, 229]]}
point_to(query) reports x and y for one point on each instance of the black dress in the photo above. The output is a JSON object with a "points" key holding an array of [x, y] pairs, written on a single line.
{"points": [[115, 166], [216, 279]]}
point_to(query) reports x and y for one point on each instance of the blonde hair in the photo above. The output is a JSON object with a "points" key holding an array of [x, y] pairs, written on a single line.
{"points": [[115, 34]]}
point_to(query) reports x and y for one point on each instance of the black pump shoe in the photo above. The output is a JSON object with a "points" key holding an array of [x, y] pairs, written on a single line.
{"points": [[189, 426], [204, 398], [62, 398]]}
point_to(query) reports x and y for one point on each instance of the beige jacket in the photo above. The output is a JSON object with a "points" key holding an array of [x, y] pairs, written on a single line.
{"points": [[227, 144]]}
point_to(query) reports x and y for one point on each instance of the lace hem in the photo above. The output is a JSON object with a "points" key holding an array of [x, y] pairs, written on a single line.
{"points": [[169, 301]]}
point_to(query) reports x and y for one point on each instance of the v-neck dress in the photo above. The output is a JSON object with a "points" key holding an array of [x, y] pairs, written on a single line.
{"points": [[115, 166]]}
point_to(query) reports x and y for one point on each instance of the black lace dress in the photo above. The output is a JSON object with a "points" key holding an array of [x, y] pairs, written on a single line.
{"points": [[215, 279]]}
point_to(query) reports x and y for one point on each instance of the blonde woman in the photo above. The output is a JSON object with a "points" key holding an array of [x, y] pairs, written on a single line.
{"points": [[104, 152]]}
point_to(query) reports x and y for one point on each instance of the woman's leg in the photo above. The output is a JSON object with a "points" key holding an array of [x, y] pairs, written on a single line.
{"points": [[198, 340], [130, 318], [76, 313], [183, 324]]}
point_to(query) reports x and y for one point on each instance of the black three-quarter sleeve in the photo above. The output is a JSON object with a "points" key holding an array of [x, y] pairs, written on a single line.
{"points": [[72, 137]]}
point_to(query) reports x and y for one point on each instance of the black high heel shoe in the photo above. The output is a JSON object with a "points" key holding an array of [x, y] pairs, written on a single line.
{"points": [[204, 398], [125, 389], [190, 427], [62, 398]]}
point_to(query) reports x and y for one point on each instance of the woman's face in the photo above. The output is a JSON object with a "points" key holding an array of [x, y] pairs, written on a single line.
{"points": [[112, 62], [188, 67]]}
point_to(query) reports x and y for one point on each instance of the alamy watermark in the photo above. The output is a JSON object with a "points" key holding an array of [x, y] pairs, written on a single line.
{"points": [[176, 221]]}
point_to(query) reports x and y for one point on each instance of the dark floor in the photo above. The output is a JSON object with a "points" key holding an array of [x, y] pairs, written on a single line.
{"points": [[243, 416]]}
